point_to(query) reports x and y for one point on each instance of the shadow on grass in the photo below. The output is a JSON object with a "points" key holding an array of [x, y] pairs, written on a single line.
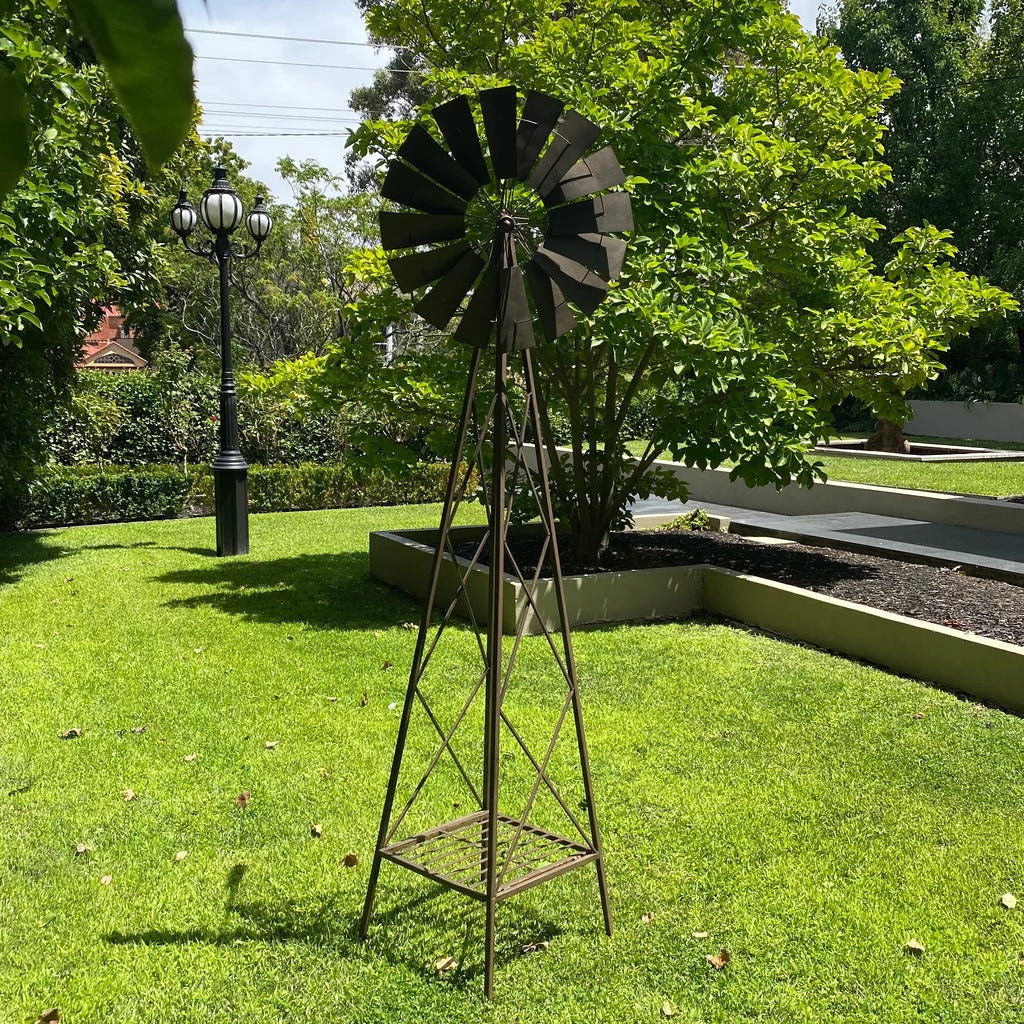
{"points": [[18, 551], [428, 924], [323, 591]]}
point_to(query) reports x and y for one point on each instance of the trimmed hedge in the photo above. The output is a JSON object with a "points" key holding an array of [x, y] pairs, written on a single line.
{"points": [[71, 495]]}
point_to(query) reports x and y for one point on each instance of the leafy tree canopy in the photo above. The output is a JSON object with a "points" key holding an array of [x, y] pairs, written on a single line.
{"points": [[749, 297], [76, 230]]}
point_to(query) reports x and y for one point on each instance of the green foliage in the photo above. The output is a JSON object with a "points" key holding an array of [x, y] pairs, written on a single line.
{"points": [[697, 521], [749, 294], [169, 413], [86, 494], [75, 231], [954, 140], [142, 45], [63, 495]]}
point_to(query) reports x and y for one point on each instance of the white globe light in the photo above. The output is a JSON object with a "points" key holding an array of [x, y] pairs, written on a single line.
{"points": [[183, 217], [259, 222], [220, 207]]}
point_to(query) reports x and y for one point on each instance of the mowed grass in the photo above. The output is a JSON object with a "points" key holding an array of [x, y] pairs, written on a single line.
{"points": [[811, 815]]}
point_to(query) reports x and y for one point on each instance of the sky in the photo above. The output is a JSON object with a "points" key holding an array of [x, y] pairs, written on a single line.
{"points": [[274, 110]]}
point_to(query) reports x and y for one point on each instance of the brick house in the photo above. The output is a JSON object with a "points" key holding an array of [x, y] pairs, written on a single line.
{"points": [[110, 347]]}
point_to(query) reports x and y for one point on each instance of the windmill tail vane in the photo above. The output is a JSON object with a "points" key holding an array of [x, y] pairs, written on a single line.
{"points": [[506, 231]]}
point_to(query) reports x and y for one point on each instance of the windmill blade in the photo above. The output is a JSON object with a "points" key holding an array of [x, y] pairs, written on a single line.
{"points": [[577, 283], [404, 185], [601, 214], [594, 173], [574, 137], [420, 268], [455, 119], [499, 108], [477, 323], [428, 157], [404, 230], [438, 306], [555, 315], [540, 115], [599, 253], [516, 328]]}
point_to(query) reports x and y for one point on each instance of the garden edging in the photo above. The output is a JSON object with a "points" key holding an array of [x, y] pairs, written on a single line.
{"points": [[988, 670]]}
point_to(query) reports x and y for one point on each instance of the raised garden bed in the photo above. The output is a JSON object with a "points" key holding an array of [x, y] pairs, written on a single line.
{"points": [[945, 652], [920, 452]]}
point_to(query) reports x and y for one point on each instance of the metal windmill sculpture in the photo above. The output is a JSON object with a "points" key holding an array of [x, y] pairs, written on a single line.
{"points": [[509, 233]]}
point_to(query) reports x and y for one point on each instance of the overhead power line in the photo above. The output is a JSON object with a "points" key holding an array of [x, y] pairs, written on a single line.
{"points": [[279, 106], [303, 64], [227, 133], [286, 39], [274, 115]]}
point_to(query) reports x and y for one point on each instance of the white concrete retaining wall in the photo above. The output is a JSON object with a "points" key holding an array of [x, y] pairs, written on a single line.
{"points": [[714, 486], [982, 421]]}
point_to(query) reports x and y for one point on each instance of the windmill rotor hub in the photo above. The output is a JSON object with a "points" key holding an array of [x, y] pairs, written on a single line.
{"points": [[507, 222]]}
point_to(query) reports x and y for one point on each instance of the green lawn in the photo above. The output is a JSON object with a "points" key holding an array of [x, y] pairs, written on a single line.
{"points": [[810, 814]]}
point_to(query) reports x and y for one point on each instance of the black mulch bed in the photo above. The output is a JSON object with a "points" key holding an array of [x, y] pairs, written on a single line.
{"points": [[989, 608]]}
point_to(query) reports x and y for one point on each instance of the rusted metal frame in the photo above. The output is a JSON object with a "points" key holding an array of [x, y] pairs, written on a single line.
{"points": [[547, 779], [529, 881], [577, 710], [415, 671], [445, 743], [536, 785], [444, 542], [447, 828], [450, 883]]}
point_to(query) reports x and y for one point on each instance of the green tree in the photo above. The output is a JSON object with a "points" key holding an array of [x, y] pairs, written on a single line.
{"points": [[932, 46], [749, 293], [75, 230]]}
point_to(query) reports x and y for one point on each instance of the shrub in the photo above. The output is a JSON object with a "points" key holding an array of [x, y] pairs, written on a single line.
{"points": [[64, 495]]}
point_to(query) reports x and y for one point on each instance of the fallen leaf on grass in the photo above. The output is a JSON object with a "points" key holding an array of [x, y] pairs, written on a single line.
{"points": [[128, 794], [387, 664], [647, 918], [71, 734], [82, 850], [365, 700], [720, 959], [139, 729], [408, 625], [242, 799], [536, 947], [393, 706], [668, 1010], [106, 879], [915, 947], [51, 1016], [271, 744], [316, 831], [698, 935], [181, 855], [324, 773], [446, 963], [332, 700], [1009, 901], [919, 715], [351, 860], [189, 758]]}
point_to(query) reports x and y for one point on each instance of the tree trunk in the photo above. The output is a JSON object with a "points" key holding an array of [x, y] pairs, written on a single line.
{"points": [[888, 437], [591, 542]]}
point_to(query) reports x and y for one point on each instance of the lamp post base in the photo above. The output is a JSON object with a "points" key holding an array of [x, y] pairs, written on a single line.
{"points": [[231, 504]]}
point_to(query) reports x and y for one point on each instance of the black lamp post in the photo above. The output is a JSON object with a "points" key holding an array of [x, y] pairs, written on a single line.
{"points": [[222, 212]]}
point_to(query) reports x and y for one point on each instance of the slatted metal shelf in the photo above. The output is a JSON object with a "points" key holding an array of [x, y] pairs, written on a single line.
{"points": [[454, 853]]}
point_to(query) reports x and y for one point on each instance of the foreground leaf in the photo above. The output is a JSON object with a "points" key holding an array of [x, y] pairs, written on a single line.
{"points": [[13, 130], [71, 734], [914, 947], [51, 1016], [351, 860], [142, 46], [1009, 901]]}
